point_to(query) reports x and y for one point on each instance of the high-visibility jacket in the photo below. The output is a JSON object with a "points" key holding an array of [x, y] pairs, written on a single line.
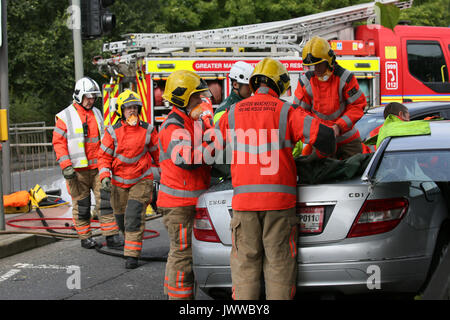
{"points": [[74, 145], [338, 100], [226, 104], [184, 175], [262, 130], [128, 154]]}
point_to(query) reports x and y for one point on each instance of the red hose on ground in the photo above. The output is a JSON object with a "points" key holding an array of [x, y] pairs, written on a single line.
{"points": [[12, 221]]}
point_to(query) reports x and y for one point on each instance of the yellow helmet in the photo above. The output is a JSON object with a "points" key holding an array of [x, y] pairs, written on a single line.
{"points": [[271, 72], [126, 99], [316, 51], [181, 85]]}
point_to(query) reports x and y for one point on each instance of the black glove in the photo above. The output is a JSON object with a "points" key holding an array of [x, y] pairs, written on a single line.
{"points": [[106, 184], [69, 172]]}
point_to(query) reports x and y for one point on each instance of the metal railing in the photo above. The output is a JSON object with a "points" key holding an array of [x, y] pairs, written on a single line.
{"points": [[32, 157]]}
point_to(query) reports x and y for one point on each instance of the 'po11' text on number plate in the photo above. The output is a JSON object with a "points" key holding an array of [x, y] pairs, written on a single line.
{"points": [[311, 219]]}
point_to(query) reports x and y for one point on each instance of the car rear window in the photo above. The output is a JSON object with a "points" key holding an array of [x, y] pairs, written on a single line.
{"points": [[418, 165]]}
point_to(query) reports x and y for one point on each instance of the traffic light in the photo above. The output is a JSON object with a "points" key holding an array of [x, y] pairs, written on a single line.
{"points": [[96, 19]]}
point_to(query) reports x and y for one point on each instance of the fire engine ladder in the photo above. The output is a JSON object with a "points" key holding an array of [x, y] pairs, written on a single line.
{"points": [[274, 35]]}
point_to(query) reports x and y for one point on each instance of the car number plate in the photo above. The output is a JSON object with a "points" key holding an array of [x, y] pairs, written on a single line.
{"points": [[311, 219]]}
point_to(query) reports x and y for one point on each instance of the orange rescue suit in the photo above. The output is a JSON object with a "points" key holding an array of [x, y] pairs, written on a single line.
{"points": [[338, 100], [91, 144], [184, 175], [264, 174]]}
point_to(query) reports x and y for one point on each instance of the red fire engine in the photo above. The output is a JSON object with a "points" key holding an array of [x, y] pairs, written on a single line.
{"points": [[407, 64]]}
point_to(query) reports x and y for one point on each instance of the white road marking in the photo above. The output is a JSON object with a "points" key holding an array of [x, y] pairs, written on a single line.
{"points": [[9, 274]]}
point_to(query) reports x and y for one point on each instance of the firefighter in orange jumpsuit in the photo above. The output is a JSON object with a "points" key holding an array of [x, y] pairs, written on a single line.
{"points": [[331, 94], [76, 141], [184, 175], [264, 177], [127, 152]]}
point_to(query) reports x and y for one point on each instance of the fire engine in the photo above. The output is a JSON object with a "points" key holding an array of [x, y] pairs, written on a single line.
{"points": [[410, 64]]}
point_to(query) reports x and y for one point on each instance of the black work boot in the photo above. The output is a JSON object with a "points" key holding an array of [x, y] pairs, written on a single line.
{"points": [[132, 263], [114, 241], [89, 243]]}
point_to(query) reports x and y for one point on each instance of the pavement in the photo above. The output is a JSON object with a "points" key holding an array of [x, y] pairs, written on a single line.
{"points": [[14, 240]]}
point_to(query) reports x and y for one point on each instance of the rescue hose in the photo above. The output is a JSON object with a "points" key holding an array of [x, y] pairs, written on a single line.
{"points": [[55, 234]]}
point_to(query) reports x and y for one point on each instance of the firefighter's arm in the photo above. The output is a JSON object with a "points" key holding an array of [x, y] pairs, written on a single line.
{"points": [[356, 102], [178, 146], [302, 99], [310, 131], [59, 141], [105, 156]]}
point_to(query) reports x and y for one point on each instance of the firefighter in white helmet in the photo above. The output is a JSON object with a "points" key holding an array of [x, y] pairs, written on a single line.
{"points": [[239, 75], [76, 141]]}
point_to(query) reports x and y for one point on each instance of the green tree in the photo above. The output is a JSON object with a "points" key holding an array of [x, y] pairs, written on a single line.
{"points": [[41, 62]]}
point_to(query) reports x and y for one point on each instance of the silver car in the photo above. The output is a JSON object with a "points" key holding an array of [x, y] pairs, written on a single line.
{"points": [[383, 231]]}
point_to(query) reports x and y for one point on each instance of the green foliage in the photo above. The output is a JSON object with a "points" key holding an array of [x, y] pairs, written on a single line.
{"points": [[428, 13], [40, 45], [389, 15]]}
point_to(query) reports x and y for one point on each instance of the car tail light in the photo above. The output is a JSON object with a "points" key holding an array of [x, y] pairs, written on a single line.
{"points": [[203, 227], [378, 216]]}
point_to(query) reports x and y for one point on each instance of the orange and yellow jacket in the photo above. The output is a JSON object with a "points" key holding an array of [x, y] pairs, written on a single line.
{"points": [[72, 144], [129, 154], [263, 130], [338, 100]]}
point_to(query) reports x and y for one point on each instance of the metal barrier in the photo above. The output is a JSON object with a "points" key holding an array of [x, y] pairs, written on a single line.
{"points": [[32, 157]]}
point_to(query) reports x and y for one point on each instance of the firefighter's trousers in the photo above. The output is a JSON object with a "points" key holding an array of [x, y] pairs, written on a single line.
{"points": [[80, 191], [264, 242], [129, 205], [179, 277]]}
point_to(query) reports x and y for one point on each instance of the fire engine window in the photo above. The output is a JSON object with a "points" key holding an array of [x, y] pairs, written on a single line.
{"points": [[364, 86], [426, 61]]}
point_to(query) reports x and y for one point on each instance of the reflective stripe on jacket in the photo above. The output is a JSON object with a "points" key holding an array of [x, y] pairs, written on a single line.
{"points": [[336, 101], [128, 154], [71, 145], [184, 175], [262, 131]]}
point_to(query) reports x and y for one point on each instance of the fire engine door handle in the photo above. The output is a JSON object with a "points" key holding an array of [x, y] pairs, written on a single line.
{"points": [[442, 72]]}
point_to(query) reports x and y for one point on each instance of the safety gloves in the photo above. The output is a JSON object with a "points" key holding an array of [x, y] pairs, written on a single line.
{"points": [[106, 184], [69, 172]]}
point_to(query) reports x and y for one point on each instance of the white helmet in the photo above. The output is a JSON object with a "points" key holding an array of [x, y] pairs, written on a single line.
{"points": [[241, 72], [86, 86]]}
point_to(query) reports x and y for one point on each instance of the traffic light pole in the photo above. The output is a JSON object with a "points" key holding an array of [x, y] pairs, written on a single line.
{"points": [[77, 44], [5, 174]]}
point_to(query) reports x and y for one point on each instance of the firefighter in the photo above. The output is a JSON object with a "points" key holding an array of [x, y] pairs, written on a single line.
{"points": [[239, 75], [264, 178], [76, 140], [184, 175], [127, 152], [331, 94]]}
